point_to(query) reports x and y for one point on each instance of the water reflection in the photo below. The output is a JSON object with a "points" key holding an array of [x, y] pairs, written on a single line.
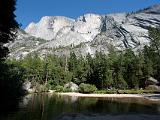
{"points": [[7, 106], [56, 107]]}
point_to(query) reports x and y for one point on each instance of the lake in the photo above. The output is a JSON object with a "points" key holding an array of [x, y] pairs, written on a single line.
{"points": [[57, 107]]}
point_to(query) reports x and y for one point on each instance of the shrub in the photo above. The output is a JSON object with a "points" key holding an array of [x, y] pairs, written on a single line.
{"points": [[87, 88], [67, 90], [106, 92], [48, 86], [41, 88], [132, 91], [59, 88], [52, 87]]}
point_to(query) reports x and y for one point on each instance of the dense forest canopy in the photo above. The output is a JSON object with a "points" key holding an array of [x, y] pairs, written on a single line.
{"points": [[119, 69], [116, 70]]}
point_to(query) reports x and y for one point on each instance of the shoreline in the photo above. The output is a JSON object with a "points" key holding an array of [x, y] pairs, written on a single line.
{"points": [[151, 97]]}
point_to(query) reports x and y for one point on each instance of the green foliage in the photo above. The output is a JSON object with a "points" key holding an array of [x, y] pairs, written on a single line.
{"points": [[153, 51], [11, 75], [34, 68], [119, 69], [59, 88], [132, 91], [106, 92], [8, 24], [11, 80], [67, 90], [130, 68], [41, 88], [87, 88]]}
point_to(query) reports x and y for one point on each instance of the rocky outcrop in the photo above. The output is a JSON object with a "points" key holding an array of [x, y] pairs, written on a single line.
{"points": [[48, 27], [87, 34], [27, 86], [153, 87], [72, 86], [151, 81]]}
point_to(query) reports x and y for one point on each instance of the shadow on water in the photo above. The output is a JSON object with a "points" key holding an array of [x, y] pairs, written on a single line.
{"points": [[156, 96], [8, 106], [55, 107]]}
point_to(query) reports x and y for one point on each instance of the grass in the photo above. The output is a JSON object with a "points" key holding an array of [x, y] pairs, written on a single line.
{"points": [[132, 91]]}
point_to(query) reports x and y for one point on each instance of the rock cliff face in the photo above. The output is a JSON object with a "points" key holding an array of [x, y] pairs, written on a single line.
{"points": [[48, 27], [88, 33]]}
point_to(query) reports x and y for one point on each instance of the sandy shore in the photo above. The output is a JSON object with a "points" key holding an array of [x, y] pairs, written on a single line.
{"points": [[100, 95], [153, 97]]}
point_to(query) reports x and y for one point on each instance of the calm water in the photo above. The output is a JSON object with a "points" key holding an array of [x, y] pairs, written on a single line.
{"points": [[47, 107]]}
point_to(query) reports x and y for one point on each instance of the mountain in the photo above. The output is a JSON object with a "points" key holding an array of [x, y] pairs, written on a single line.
{"points": [[48, 27], [86, 34]]}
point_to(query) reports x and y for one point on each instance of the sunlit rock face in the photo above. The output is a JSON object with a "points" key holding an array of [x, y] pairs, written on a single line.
{"points": [[88, 26], [48, 26], [86, 34]]}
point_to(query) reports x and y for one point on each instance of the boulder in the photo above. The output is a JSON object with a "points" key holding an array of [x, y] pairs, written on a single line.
{"points": [[151, 81], [72, 86], [154, 87], [27, 86]]}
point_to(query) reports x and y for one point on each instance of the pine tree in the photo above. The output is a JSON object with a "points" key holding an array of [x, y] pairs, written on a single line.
{"points": [[8, 25], [154, 50], [72, 63], [129, 68]]}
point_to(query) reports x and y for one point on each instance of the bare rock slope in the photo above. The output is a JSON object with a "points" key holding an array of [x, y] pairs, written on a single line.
{"points": [[87, 34]]}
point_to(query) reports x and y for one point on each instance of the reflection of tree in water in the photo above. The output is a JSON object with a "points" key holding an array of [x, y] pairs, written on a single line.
{"points": [[10, 87], [51, 107], [123, 106]]}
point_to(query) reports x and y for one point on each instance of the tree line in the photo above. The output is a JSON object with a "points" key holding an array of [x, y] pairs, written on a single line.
{"points": [[119, 69]]}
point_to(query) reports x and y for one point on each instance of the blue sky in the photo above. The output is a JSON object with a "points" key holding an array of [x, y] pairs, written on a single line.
{"points": [[32, 10]]}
